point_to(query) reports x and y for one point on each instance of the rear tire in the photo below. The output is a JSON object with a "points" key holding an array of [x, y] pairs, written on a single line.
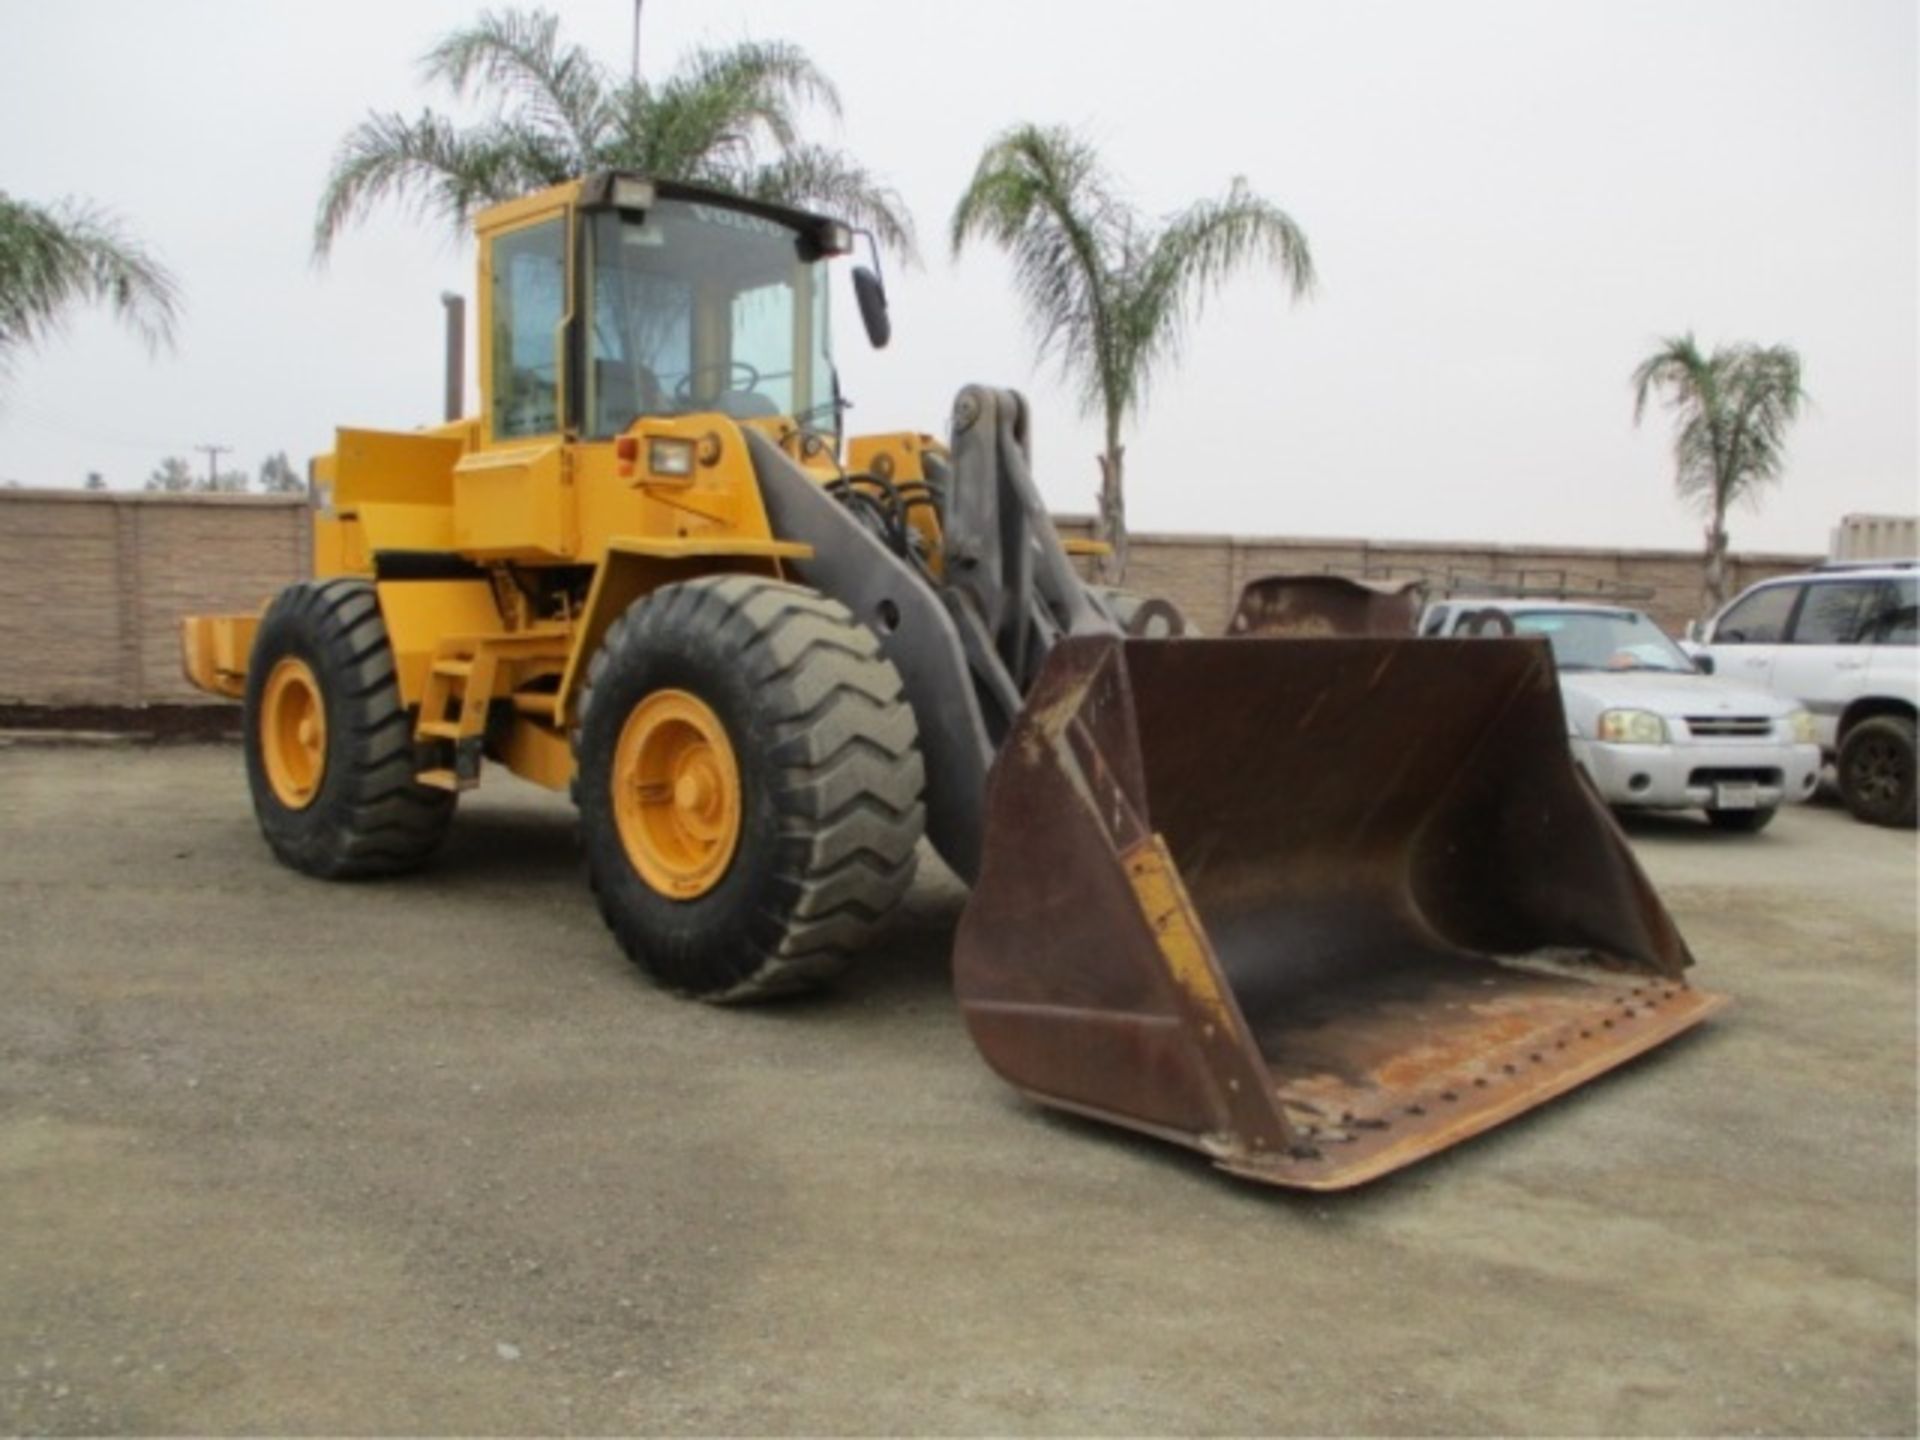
{"points": [[1750, 822], [329, 745], [785, 813], [1876, 768]]}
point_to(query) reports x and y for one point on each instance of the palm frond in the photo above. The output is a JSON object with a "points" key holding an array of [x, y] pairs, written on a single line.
{"points": [[55, 257], [1039, 195], [716, 116], [675, 133], [825, 179], [437, 167], [759, 84], [1170, 278], [1764, 398], [1678, 368], [517, 55]]}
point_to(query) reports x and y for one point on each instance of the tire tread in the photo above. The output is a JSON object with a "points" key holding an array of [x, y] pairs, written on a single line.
{"points": [[848, 775], [371, 818]]}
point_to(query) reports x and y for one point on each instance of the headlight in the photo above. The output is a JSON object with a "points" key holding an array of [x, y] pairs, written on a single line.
{"points": [[1803, 731], [670, 459], [1632, 727]]}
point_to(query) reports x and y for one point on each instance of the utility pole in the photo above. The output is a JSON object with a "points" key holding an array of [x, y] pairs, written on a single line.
{"points": [[213, 454], [636, 42]]}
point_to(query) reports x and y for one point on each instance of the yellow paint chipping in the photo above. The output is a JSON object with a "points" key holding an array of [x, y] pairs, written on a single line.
{"points": [[1176, 929]]}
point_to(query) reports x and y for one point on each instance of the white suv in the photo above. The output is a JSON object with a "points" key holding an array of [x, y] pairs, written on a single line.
{"points": [[1841, 641]]}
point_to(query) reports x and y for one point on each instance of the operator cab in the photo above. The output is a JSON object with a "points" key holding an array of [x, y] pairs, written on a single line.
{"points": [[620, 298]]}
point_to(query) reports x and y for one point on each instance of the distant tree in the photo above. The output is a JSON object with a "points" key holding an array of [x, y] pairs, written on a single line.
{"points": [[1107, 290], [278, 477], [728, 118], [1731, 413], [95, 480], [54, 257], [174, 476]]}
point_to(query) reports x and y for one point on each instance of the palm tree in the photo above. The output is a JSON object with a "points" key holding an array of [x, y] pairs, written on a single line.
{"points": [[729, 118], [1110, 292], [1731, 410], [54, 257]]}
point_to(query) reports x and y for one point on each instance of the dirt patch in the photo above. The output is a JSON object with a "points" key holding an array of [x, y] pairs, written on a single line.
{"points": [[425, 1156]]}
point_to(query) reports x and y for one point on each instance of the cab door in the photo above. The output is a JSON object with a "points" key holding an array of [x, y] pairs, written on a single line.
{"points": [[1749, 633], [1824, 663], [525, 308], [1893, 654]]}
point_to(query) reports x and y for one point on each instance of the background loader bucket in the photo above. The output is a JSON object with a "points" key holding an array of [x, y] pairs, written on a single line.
{"points": [[1315, 907], [1313, 605]]}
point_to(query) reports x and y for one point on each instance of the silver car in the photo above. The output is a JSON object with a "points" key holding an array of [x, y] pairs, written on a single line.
{"points": [[1650, 730]]}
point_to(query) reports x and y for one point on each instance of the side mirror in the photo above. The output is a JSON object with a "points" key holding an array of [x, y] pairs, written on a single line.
{"points": [[1703, 663], [872, 296]]}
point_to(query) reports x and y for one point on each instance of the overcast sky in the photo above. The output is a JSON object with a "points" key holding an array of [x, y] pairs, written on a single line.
{"points": [[1508, 204]]}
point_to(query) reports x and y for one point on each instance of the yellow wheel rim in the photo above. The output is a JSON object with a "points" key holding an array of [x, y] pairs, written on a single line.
{"points": [[293, 733], [676, 794]]}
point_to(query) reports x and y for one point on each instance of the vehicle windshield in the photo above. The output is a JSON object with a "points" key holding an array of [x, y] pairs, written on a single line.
{"points": [[1604, 640], [699, 307]]}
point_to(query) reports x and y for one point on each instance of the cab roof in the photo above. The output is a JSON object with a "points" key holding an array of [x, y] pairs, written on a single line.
{"points": [[595, 190]]}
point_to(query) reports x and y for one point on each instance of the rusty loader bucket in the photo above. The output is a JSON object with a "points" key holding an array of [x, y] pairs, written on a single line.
{"points": [[1317, 908]]}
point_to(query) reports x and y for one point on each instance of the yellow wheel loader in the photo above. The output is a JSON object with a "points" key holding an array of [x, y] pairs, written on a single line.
{"points": [[1315, 907]]}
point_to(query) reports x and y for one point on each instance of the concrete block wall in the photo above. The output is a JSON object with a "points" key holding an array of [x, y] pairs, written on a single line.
{"points": [[1204, 573], [93, 585]]}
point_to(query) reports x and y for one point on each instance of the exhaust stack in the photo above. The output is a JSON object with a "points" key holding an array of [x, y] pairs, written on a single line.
{"points": [[456, 394]]}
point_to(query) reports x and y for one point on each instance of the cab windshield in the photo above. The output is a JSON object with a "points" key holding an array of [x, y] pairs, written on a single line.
{"points": [[1603, 640], [697, 307]]}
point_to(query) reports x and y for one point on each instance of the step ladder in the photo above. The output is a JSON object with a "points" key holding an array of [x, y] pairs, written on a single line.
{"points": [[453, 713]]}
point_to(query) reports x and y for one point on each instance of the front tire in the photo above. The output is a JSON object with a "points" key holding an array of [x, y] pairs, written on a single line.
{"points": [[329, 745], [1876, 768], [749, 782], [1748, 822]]}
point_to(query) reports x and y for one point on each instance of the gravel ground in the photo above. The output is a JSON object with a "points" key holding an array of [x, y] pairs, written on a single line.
{"points": [[424, 1155]]}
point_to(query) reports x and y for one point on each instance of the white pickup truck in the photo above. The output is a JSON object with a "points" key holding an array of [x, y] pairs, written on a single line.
{"points": [[1650, 731], [1841, 641]]}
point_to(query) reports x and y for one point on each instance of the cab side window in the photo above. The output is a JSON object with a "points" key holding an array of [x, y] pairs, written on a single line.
{"points": [[529, 302], [1760, 619], [1837, 613]]}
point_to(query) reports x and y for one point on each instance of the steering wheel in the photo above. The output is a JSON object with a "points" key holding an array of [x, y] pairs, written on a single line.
{"points": [[683, 387]]}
